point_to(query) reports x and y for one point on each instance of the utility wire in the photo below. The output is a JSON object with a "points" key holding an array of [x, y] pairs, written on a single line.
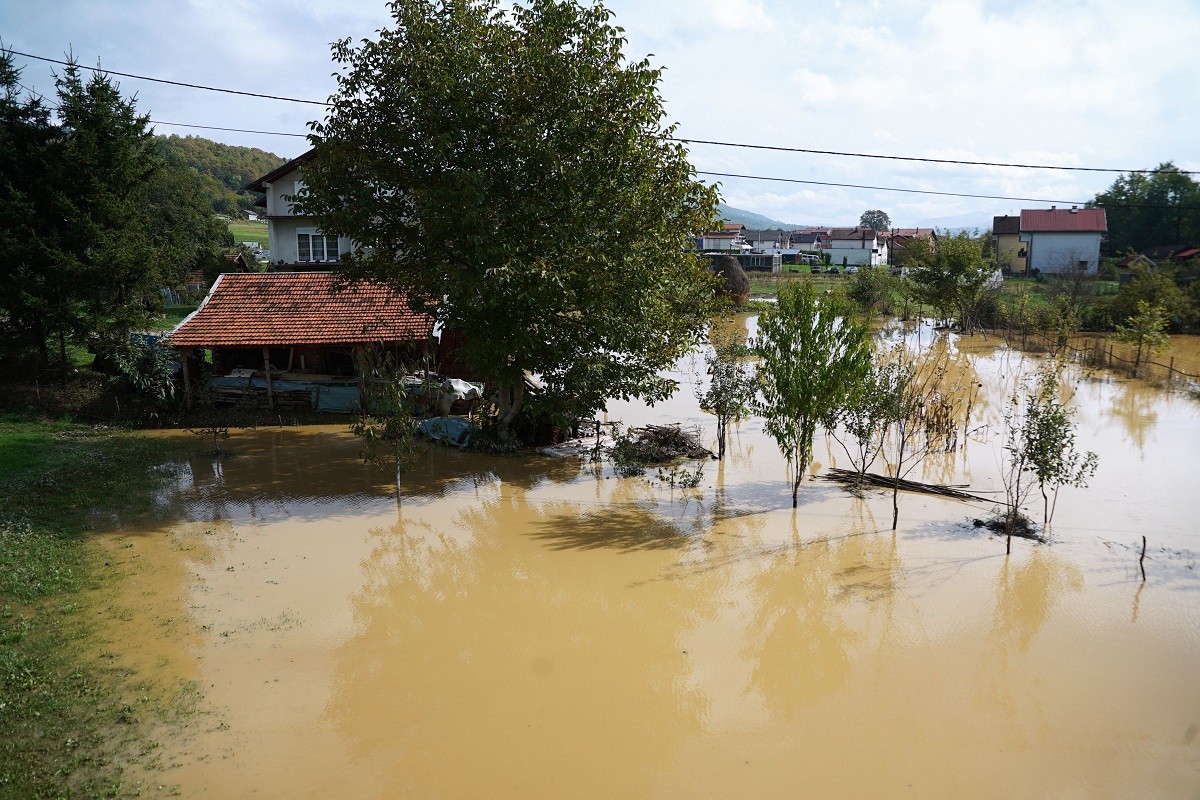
{"points": [[891, 188], [172, 83], [1080, 203], [694, 141], [53, 105], [847, 154], [931, 160], [235, 130]]}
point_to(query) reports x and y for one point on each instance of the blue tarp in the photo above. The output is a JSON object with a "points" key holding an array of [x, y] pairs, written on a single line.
{"points": [[451, 430]]}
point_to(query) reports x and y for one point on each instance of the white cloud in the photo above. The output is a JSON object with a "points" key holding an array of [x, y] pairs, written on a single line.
{"points": [[1090, 82]]}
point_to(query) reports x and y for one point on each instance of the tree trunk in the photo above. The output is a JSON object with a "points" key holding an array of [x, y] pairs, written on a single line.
{"points": [[62, 354], [796, 487], [720, 437], [895, 504], [510, 397]]}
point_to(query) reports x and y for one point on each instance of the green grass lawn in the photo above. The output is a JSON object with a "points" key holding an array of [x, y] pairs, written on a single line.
{"points": [[246, 231], [66, 720], [173, 315], [765, 283]]}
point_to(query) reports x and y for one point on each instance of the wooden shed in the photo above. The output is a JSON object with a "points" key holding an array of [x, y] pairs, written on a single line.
{"points": [[288, 328]]}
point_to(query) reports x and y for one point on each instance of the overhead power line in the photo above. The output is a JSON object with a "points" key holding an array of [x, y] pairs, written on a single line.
{"points": [[172, 83], [1080, 203], [234, 130], [744, 145], [683, 140], [891, 188], [931, 160]]}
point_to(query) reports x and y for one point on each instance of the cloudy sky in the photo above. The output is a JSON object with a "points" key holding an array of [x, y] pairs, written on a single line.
{"points": [[1097, 83]]}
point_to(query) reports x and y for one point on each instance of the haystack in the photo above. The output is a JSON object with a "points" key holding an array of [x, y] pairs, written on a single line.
{"points": [[737, 285]]}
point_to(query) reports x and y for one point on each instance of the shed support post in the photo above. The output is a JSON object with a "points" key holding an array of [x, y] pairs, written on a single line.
{"points": [[359, 370], [185, 356], [267, 370]]}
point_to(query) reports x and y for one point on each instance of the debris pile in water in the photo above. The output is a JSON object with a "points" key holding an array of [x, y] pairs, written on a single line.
{"points": [[655, 444]]}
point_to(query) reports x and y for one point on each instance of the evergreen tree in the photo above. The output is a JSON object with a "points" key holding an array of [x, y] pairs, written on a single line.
{"points": [[28, 241], [103, 167]]}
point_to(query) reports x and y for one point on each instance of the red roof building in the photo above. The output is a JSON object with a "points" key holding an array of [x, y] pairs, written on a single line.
{"points": [[285, 309], [1064, 220], [1062, 240], [294, 326]]}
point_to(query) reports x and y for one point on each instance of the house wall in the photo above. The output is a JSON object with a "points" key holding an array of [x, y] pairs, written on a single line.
{"points": [[1051, 252], [1008, 246], [278, 189], [719, 243], [857, 252], [282, 226], [283, 238]]}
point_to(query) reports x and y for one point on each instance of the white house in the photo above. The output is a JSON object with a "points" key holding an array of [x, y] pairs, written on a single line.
{"points": [[723, 241], [1061, 239], [807, 241], [296, 242], [856, 247]]}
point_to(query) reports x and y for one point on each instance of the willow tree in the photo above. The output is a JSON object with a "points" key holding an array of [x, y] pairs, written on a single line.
{"points": [[814, 362], [511, 171]]}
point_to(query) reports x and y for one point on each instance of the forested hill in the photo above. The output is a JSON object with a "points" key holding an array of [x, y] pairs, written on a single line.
{"points": [[224, 168]]}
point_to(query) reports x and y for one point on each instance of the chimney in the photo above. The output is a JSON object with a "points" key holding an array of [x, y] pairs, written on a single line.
{"points": [[1053, 208], [1074, 209]]}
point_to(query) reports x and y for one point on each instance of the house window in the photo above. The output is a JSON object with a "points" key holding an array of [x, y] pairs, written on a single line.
{"points": [[316, 247]]}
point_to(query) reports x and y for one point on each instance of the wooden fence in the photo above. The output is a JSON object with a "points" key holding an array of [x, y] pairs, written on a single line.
{"points": [[1096, 350]]}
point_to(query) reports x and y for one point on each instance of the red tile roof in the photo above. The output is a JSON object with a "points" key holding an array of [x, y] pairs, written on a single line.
{"points": [[1063, 220], [280, 309]]}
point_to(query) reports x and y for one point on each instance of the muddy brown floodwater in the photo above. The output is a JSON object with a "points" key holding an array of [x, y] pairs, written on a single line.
{"points": [[537, 627]]}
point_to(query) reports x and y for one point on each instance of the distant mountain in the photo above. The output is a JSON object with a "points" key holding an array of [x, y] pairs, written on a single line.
{"points": [[959, 222], [751, 220]]}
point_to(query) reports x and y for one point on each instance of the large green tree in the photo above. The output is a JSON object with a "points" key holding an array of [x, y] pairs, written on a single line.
{"points": [[92, 222], [28, 239], [875, 219], [1149, 209], [104, 162], [511, 171]]}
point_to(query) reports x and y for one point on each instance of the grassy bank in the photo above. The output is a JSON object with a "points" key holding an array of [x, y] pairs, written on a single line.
{"points": [[246, 231], [66, 722]]}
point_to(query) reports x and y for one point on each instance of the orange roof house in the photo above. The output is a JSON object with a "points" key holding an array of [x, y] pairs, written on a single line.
{"points": [[297, 326]]}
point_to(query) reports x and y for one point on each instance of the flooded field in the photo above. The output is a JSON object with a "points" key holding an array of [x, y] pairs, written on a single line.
{"points": [[537, 627]]}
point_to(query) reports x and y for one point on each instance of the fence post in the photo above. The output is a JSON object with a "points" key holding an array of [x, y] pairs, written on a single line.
{"points": [[1171, 372]]}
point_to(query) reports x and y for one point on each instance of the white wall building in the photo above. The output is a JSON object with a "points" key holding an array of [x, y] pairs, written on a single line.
{"points": [[1060, 239], [856, 247], [295, 240]]}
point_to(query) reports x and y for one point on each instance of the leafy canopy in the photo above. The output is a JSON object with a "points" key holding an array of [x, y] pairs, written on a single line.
{"points": [[510, 171], [814, 362], [951, 274], [875, 219], [92, 222], [1147, 210]]}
